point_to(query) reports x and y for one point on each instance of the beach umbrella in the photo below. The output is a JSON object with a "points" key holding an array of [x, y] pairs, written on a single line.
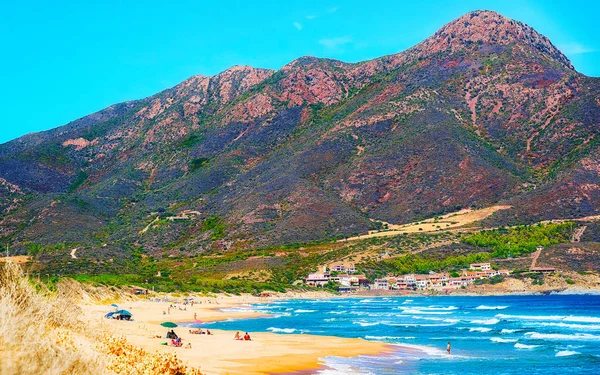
{"points": [[123, 312], [169, 324], [114, 305]]}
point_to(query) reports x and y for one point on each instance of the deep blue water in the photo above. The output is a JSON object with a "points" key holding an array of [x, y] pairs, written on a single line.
{"points": [[556, 334]]}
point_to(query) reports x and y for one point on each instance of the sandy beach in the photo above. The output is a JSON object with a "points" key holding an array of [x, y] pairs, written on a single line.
{"points": [[267, 353]]}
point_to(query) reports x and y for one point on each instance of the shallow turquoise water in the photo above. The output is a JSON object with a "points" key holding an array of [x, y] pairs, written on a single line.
{"points": [[556, 334]]}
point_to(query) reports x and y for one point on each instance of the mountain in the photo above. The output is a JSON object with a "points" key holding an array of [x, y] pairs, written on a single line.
{"points": [[484, 111]]}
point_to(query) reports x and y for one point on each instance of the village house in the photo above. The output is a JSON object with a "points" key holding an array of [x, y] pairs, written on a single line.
{"points": [[317, 279], [480, 267], [438, 281], [401, 284], [344, 279], [421, 281], [410, 280], [380, 284], [359, 281], [457, 282], [342, 267]]}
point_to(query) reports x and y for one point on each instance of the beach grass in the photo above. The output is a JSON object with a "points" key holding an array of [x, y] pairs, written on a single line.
{"points": [[42, 331]]}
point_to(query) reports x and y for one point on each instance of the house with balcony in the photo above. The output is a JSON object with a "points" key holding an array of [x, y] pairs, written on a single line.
{"points": [[480, 267], [342, 267], [317, 279]]}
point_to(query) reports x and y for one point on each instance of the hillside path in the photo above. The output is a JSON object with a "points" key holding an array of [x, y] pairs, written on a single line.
{"points": [[578, 233]]}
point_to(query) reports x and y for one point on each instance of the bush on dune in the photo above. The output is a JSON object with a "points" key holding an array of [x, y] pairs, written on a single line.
{"points": [[43, 332]]}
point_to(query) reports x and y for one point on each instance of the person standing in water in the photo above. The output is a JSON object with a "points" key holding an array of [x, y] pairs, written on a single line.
{"points": [[448, 347]]}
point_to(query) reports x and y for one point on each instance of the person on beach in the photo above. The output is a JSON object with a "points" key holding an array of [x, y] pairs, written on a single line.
{"points": [[208, 332], [195, 316], [237, 336], [247, 337], [448, 347]]}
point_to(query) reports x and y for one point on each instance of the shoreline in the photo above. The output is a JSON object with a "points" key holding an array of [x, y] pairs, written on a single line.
{"points": [[268, 352], [219, 353]]}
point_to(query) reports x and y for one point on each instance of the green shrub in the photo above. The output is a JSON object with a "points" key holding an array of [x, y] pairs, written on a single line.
{"points": [[198, 163], [520, 240]]}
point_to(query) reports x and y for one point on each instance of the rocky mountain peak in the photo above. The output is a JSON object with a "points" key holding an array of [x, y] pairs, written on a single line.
{"points": [[490, 28]]}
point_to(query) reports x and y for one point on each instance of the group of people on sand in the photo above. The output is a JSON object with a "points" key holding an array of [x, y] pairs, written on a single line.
{"points": [[175, 340], [239, 337], [200, 331]]}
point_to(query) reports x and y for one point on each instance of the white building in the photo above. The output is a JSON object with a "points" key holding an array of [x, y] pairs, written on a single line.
{"points": [[410, 281], [381, 284], [317, 279], [480, 267], [343, 267]]}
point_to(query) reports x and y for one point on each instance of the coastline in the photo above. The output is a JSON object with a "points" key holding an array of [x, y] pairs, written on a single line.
{"points": [[267, 353]]}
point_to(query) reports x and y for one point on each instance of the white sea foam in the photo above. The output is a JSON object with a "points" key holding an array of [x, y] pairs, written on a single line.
{"points": [[366, 324], [418, 311], [342, 369], [237, 309], [479, 329], [485, 321], [416, 325], [523, 346], [330, 320], [583, 327], [281, 330], [304, 311], [566, 353], [500, 339], [433, 318], [484, 307], [432, 351], [338, 312], [407, 301], [389, 337], [504, 331], [582, 319], [570, 318], [429, 308], [562, 336], [434, 308]]}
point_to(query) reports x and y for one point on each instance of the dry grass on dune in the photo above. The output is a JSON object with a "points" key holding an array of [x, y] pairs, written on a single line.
{"points": [[42, 332]]}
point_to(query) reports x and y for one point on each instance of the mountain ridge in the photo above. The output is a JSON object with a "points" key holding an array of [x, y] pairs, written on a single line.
{"points": [[484, 111]]}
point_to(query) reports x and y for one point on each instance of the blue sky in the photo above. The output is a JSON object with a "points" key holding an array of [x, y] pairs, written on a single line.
{"points": [[63, 60]]}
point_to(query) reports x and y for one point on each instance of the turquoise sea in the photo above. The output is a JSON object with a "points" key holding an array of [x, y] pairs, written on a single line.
{"points": [[553, 334]]}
